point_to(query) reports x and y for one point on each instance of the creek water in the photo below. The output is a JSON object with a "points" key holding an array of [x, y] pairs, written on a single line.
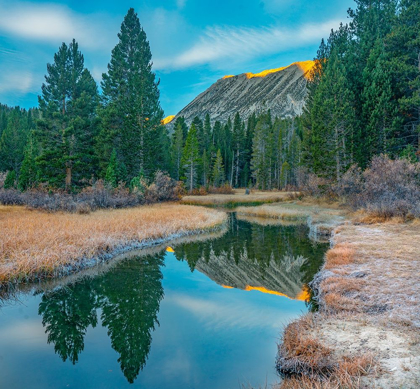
{"points": [[206, 313]]}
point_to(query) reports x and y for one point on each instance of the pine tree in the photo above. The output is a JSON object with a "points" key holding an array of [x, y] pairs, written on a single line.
{"points": [[260, 154], [111, 176], [285, 169], [191, 158], [29, 170], [205, 168], [131, 116], [10, 181], [12, 142], [380, 109], [403, 48], [238, 145], [67, 127], [207, 133], [218, 171], [176, 151]]}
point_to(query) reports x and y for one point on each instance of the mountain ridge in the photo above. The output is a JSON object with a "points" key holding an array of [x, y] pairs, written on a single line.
{"points": [[281, 90]]}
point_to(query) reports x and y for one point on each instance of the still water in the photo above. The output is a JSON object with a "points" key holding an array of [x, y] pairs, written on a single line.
{"points": [[199, 314]]}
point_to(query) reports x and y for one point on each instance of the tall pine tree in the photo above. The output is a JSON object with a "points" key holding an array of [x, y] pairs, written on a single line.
{"points": [[131, 114]]}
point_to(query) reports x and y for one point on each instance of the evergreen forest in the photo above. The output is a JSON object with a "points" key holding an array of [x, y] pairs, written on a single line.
{"points": [[363, 100]]}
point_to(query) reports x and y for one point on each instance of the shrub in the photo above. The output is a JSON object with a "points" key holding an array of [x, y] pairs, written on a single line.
{"points": [[387, 188], [11, 197], [167, 188], [2, 179], [225, 189], [201, 191], [316, 186], [97, 196]]}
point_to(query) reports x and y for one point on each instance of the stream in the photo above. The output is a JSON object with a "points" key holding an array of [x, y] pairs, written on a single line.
{"points": [[201, 313]]}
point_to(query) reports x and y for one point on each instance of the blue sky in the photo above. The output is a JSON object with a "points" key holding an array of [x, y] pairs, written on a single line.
{"points": [[193, 42]]}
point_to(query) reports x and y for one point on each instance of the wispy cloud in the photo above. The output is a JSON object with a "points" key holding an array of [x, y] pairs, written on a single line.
{"points": [[52, 23], [235, 313], [219, 44], [181, 3], [19, 82]]}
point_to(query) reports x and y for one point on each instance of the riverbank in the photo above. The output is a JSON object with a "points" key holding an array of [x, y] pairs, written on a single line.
{"points": [[321, 219], [36, 245], [239, 198], [367, 331]]}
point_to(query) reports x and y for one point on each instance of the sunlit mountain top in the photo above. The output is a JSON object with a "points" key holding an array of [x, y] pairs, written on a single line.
{"points": [[305, 66]]}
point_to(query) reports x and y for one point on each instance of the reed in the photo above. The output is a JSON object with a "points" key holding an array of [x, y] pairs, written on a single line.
{"points": [[36, 244]]}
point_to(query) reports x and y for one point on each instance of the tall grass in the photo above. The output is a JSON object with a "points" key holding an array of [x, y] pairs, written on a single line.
{"points": [[237, 199], [36, 244]]}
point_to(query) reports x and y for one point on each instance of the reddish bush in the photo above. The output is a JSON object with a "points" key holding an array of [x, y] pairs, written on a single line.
{"points": [[387, 188], [96, 196], [2, 179], [225, 189]]}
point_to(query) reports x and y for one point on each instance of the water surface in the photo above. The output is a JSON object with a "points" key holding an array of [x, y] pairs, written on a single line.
{"points": [[204, 314]]}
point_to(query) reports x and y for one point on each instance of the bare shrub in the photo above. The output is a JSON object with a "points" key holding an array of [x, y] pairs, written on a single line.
{"points": [[11, 197], [224, 189], [316, 186], [167, 189], [97, 196], [2, 179], [387, 188], [201, 191]]}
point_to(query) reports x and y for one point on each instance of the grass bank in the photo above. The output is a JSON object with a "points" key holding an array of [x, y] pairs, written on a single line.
{"points": [[321, 219], [366, 333], [238, 198], [35, 245]]}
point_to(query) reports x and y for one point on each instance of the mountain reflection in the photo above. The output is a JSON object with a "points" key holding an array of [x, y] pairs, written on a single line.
{"points": [[278, 260], [272, 259]]}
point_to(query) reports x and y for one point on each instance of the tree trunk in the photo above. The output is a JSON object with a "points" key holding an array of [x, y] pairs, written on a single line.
{"points": [[68, 177]]}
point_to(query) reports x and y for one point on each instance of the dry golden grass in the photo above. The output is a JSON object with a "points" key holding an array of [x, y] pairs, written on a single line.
{"points": [[341, 254], [369, 300], [283, 212], [386, 255], [257, 197], [35, 244], [309, 363], [347, 375]]}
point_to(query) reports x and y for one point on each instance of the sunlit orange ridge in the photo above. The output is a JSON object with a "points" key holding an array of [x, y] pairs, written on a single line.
{"points": [[305, 66], [301, 296], [168, 119]]}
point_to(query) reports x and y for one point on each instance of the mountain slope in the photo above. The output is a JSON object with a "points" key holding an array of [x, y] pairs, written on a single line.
{"points": [[281, 90]]}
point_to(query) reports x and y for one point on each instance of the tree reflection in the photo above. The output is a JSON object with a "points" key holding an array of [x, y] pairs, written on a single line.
{"points": [[249, 256], [67, 314], [258, 244], [129, 297]]}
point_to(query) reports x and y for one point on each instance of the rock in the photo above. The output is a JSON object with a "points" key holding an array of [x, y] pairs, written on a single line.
{"points": [[281, 91]]}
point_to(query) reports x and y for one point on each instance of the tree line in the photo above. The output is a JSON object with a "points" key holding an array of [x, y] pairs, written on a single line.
{"points": [[364, 93], [363, 100]]}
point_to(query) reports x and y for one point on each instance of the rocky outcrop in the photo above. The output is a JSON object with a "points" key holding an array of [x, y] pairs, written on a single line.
{"points": [[282, 91]]}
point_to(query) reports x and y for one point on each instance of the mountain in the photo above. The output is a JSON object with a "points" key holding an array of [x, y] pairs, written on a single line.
{"points": [[281, 90], [283, 278]]}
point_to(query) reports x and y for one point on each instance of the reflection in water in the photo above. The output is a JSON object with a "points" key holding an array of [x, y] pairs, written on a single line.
{"points": [[275, 260], [129, 297], [270, 259]]}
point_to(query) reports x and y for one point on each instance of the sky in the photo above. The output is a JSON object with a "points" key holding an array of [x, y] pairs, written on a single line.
{"points": [[193, 42]]}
